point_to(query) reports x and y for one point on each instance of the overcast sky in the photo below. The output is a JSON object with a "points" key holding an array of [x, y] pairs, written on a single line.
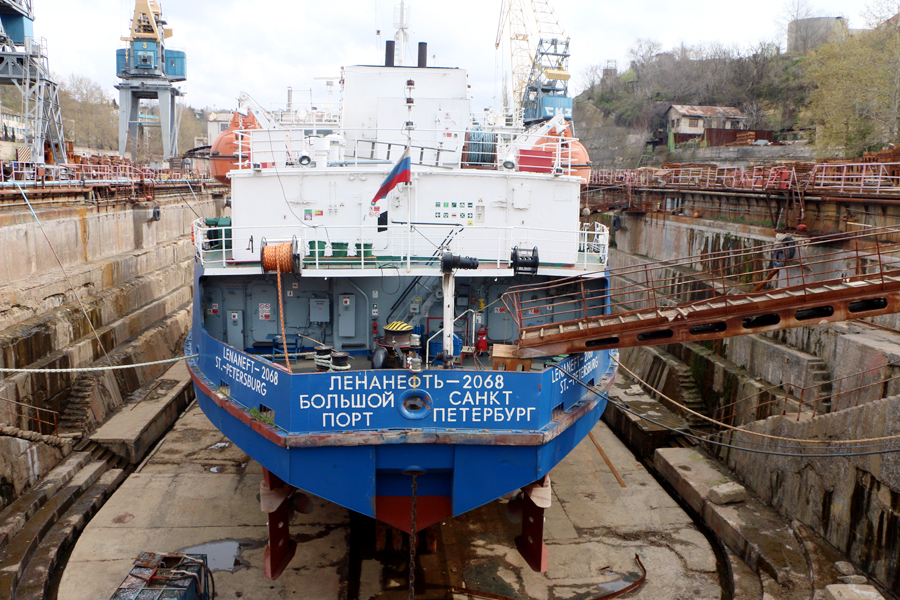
{"points": [[264, 46]]}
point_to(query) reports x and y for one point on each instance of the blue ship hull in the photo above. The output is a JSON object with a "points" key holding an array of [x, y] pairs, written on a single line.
{"points": [[347, 437]]}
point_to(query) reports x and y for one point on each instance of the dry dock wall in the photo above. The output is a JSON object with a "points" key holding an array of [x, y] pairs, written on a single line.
{"points": [[133, 275], [853, 502]]}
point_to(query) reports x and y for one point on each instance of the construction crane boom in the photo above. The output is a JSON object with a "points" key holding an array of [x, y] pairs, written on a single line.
{"points": [[539, 54]]}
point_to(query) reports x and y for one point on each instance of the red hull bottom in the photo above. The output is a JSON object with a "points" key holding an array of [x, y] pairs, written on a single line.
{"points": [[396, 511]]}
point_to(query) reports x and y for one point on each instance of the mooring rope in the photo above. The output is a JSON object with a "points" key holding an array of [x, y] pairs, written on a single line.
{"points": [[107, 368]]}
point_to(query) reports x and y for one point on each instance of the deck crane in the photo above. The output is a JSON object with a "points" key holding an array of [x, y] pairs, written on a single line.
{"points": [[540, 69], [247, 104]]}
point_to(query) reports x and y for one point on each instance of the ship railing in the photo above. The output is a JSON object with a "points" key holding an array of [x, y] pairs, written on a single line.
{"points": [[363, 151], [472, 148], [401, 245]]}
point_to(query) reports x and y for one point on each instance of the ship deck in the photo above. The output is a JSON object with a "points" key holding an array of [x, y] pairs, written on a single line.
{"points": [[220, 262], [359, 362]]}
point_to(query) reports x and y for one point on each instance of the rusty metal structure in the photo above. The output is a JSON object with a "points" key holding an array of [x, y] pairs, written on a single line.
{"points": [[824, 196], [31, 418], [793, 282]]}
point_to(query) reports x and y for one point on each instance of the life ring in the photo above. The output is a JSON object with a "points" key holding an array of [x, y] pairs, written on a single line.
{"points": [[415, 404]]}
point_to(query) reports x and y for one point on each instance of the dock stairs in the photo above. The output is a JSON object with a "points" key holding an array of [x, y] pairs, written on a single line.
{"points": [[37, 529], [78, 416]]}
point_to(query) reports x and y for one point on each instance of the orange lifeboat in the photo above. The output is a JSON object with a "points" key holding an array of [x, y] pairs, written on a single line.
{"points": [[223, 154], [574, 159]]}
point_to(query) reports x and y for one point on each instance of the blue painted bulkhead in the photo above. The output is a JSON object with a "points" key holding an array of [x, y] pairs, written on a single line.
{"points": [[352, 441], [17, 27], [176, 65], [122, 57]]}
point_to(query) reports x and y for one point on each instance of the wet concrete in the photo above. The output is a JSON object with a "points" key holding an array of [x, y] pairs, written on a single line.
{"points": [[197, 493], [593, 530], [178, 502]]}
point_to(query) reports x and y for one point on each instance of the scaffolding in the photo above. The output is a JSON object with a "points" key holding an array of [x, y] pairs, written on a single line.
{"points": [[24, 63]]}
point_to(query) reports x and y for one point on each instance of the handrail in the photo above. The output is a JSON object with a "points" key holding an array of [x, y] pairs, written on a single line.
{"points": [[549, 154], [707, 277], [214, 245], [845, 178], [10, 404], [32, 174]]}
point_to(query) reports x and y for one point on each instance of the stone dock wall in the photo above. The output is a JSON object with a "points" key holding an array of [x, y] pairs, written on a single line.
{"points": [[133, 276], [852, 368]]}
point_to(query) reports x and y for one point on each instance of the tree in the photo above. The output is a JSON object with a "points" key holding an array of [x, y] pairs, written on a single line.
{"points": [[87, 111], [768, 85], [856, 94], [191, 127]]}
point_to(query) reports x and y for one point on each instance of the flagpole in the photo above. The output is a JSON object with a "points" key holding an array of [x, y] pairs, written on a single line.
{"points": [[408, 226]]}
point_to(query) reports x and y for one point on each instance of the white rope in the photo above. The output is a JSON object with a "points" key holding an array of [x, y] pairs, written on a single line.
{"points": [[109, 368]]}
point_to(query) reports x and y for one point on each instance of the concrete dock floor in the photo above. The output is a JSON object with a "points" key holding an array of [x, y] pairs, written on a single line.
{"points": [[197, 489]]}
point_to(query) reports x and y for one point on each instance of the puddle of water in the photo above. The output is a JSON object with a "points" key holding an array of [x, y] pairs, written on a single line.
{"points": [[223, 555], [616, 585]]}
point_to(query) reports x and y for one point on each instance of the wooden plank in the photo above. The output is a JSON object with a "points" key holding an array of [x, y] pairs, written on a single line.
{"points": [[503, 351]]}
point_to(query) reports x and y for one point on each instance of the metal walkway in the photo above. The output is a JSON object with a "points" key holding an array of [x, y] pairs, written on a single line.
{"points": [[792, 283]]}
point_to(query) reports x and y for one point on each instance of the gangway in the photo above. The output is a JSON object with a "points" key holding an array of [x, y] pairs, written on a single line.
{"points": [[790, 283]]}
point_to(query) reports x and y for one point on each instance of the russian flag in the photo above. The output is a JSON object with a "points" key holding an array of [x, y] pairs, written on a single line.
{"points": [[399, 174]]}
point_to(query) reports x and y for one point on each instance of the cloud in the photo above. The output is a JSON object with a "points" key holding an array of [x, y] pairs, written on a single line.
{"points": [[264, 47]]}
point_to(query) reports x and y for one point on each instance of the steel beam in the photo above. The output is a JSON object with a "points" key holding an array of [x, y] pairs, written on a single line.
{"points": [[724, 317]]}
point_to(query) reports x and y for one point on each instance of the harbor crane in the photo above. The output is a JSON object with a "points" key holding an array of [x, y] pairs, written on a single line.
{"points": [[540, 69], [24, 63], [149, 71]]}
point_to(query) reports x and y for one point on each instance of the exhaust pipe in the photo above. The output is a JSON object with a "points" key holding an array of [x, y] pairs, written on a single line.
{"points": [[423, 55]]}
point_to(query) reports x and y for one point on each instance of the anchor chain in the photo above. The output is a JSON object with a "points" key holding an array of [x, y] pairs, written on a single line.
{"points": [[412, 539]]}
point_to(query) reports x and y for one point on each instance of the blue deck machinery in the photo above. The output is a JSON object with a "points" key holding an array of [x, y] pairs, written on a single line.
{"points": [[23, 63], [149, 71]]}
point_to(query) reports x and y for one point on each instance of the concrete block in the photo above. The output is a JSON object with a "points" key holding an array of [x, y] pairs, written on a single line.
{"points": [[689, 472], [845, 568], [852, 592], [131, 432], [857, 579], [727, 493]]}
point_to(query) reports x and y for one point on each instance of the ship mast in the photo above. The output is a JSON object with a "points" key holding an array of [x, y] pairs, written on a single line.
{"points": [[401, 38]]}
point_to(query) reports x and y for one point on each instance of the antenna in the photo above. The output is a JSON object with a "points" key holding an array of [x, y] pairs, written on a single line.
{"points": [[401, 38]]}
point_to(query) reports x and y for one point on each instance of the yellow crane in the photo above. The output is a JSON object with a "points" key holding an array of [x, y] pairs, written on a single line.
{"points": [[526, 26]]}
